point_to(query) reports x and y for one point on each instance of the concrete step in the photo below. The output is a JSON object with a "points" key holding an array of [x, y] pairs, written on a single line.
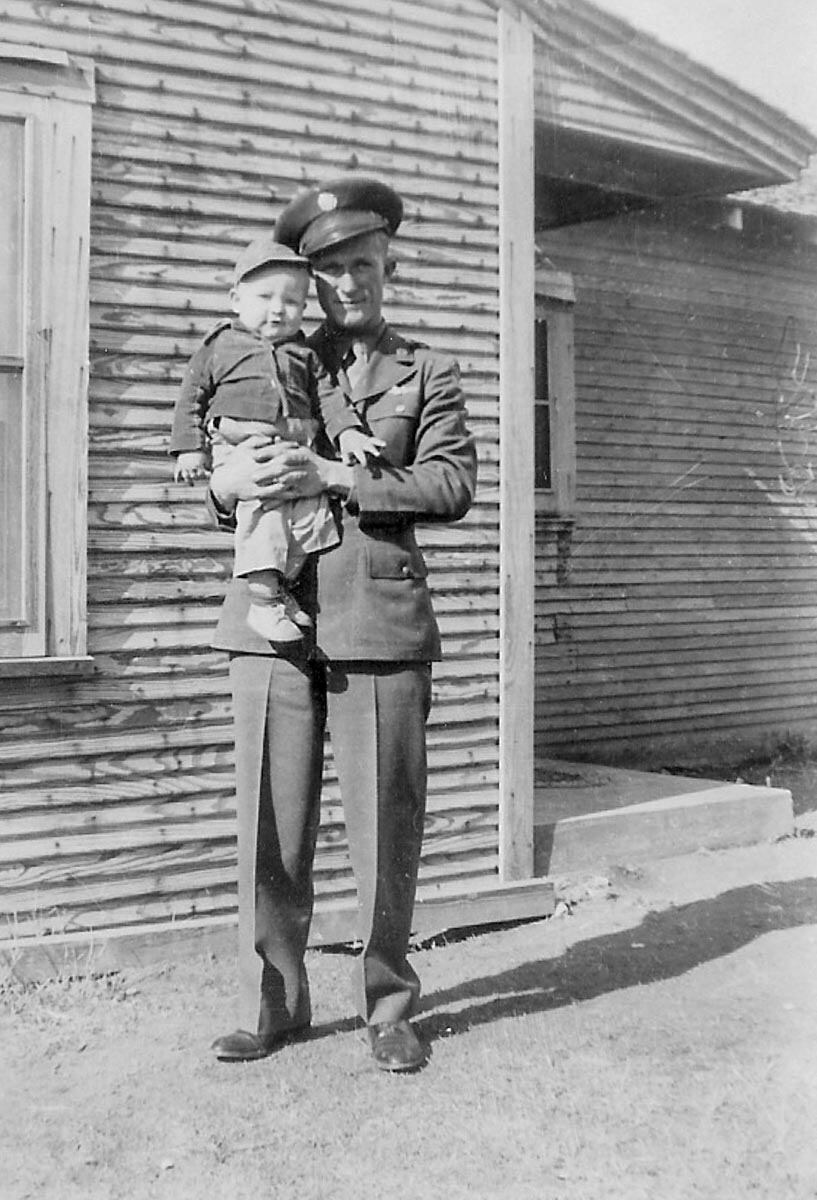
{"points": [[590, 818]]}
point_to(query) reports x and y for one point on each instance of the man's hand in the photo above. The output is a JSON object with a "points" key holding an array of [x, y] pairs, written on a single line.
{"points": [[310, 475], [274, 472], [255, 466]]}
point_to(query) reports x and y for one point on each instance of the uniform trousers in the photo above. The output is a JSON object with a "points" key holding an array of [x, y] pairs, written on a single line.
{"points": [[376, 713]]}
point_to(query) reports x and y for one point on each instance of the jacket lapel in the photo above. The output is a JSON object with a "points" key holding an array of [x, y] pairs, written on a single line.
{"points": [[391, 362]]}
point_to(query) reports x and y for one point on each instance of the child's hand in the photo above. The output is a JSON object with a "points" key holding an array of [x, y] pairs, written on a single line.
{"points": [[191, 465], [357, 446]]}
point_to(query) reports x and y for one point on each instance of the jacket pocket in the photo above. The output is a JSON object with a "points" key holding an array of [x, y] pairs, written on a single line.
{"points": [[394, 554], [396, 404]]}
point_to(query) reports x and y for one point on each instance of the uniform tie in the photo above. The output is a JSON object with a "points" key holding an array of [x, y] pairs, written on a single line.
{"points": [[355, 363]]}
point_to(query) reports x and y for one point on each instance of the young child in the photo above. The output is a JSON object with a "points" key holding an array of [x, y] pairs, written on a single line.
{"points": [[255, 374]]}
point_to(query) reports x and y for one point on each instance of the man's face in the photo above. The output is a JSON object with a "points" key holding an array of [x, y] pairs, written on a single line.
{"points": [[350, 280], [271, 301]]}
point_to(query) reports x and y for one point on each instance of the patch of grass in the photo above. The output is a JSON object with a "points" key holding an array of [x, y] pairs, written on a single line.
{"points": [[51, 1000], [789, 748], [786, 759], [578, 1059], [597, 1095]]}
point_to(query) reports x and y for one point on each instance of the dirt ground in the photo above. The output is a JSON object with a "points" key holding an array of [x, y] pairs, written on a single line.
{"points": [[656, 1038]]}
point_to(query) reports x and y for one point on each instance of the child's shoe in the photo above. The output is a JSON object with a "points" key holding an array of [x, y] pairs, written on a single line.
{"points": [[295, 612], [271, 622]]}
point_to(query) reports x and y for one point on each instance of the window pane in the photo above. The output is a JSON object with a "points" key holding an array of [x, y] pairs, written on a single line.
{"points": [[542, 465], [12, 499], [541, 411], [11, 236]]}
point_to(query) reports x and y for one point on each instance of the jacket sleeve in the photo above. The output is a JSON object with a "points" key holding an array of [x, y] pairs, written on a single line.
{"points": [[335, 410], [192, 402], [439, 482]]}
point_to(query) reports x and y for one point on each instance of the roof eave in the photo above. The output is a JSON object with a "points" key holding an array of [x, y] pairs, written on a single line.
{"points": [[756, 140]]}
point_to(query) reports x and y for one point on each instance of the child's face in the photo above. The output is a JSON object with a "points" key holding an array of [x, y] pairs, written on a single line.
{"points": [[271, 301]]}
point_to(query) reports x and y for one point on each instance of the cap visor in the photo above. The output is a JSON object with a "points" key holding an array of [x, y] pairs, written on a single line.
{"points": [[330, 229]]}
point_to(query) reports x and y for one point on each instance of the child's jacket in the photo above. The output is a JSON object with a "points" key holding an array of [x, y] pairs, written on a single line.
{"points": [[238, 373]]}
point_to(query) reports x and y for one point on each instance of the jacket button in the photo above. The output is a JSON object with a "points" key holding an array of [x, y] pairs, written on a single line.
{"points": [[406, 569]]}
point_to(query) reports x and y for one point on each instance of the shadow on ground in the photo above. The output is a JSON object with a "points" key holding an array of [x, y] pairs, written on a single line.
{"points": [[666, 944]]}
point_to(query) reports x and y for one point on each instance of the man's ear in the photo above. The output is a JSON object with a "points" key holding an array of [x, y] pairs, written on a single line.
{"points": [[391, 267], [234, 299]]}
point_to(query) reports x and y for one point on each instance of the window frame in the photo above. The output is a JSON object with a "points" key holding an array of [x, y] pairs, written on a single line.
{"points": [[52, 94], [555, 300], [26, 634]]}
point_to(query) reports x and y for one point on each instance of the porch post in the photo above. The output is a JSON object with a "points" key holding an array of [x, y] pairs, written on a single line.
{"points": [[516, 444]]}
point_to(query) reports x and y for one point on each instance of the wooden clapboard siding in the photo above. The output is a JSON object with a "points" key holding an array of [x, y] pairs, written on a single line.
{"points": [[684, 613], [116, 794]]}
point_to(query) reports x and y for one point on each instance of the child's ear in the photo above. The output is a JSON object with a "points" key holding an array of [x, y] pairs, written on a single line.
{"points": [[391, 267]]}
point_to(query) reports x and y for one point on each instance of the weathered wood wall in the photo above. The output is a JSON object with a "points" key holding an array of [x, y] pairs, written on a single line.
{"points": [[116, 792], [686, 614]]}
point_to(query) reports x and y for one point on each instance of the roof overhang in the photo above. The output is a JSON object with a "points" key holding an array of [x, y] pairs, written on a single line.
{"points": [[585, 176], [619, 113]]}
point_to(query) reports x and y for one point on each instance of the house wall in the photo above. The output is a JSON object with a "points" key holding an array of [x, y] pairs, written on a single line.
{"points": [[682, 618], [116, 791]]}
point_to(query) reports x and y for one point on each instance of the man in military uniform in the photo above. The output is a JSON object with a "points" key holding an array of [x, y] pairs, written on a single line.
{"points": [[370, 672]]}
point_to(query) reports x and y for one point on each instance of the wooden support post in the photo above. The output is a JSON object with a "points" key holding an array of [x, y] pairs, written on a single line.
{"points": [[516, 456]]}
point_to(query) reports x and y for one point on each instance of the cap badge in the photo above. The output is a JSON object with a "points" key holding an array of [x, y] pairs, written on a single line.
{"points": [[327, 201]]}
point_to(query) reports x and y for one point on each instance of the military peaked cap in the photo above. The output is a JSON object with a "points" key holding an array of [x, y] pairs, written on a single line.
{"points": [[337, 211], [265, 252]]}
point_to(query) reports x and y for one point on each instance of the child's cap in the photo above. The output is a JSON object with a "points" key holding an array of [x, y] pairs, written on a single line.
{"points": [[266, 252], [338, 211]]}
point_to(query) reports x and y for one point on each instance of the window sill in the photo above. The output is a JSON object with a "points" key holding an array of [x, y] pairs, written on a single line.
{"points": [[554, 521], [554, 507], [68, 667]]}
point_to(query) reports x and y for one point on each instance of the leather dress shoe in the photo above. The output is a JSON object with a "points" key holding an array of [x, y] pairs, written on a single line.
{"points": [[396, 1047], [243, 1046]]}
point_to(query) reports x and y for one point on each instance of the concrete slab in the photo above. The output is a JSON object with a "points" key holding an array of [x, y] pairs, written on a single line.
{"points": [[589, 817]]}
